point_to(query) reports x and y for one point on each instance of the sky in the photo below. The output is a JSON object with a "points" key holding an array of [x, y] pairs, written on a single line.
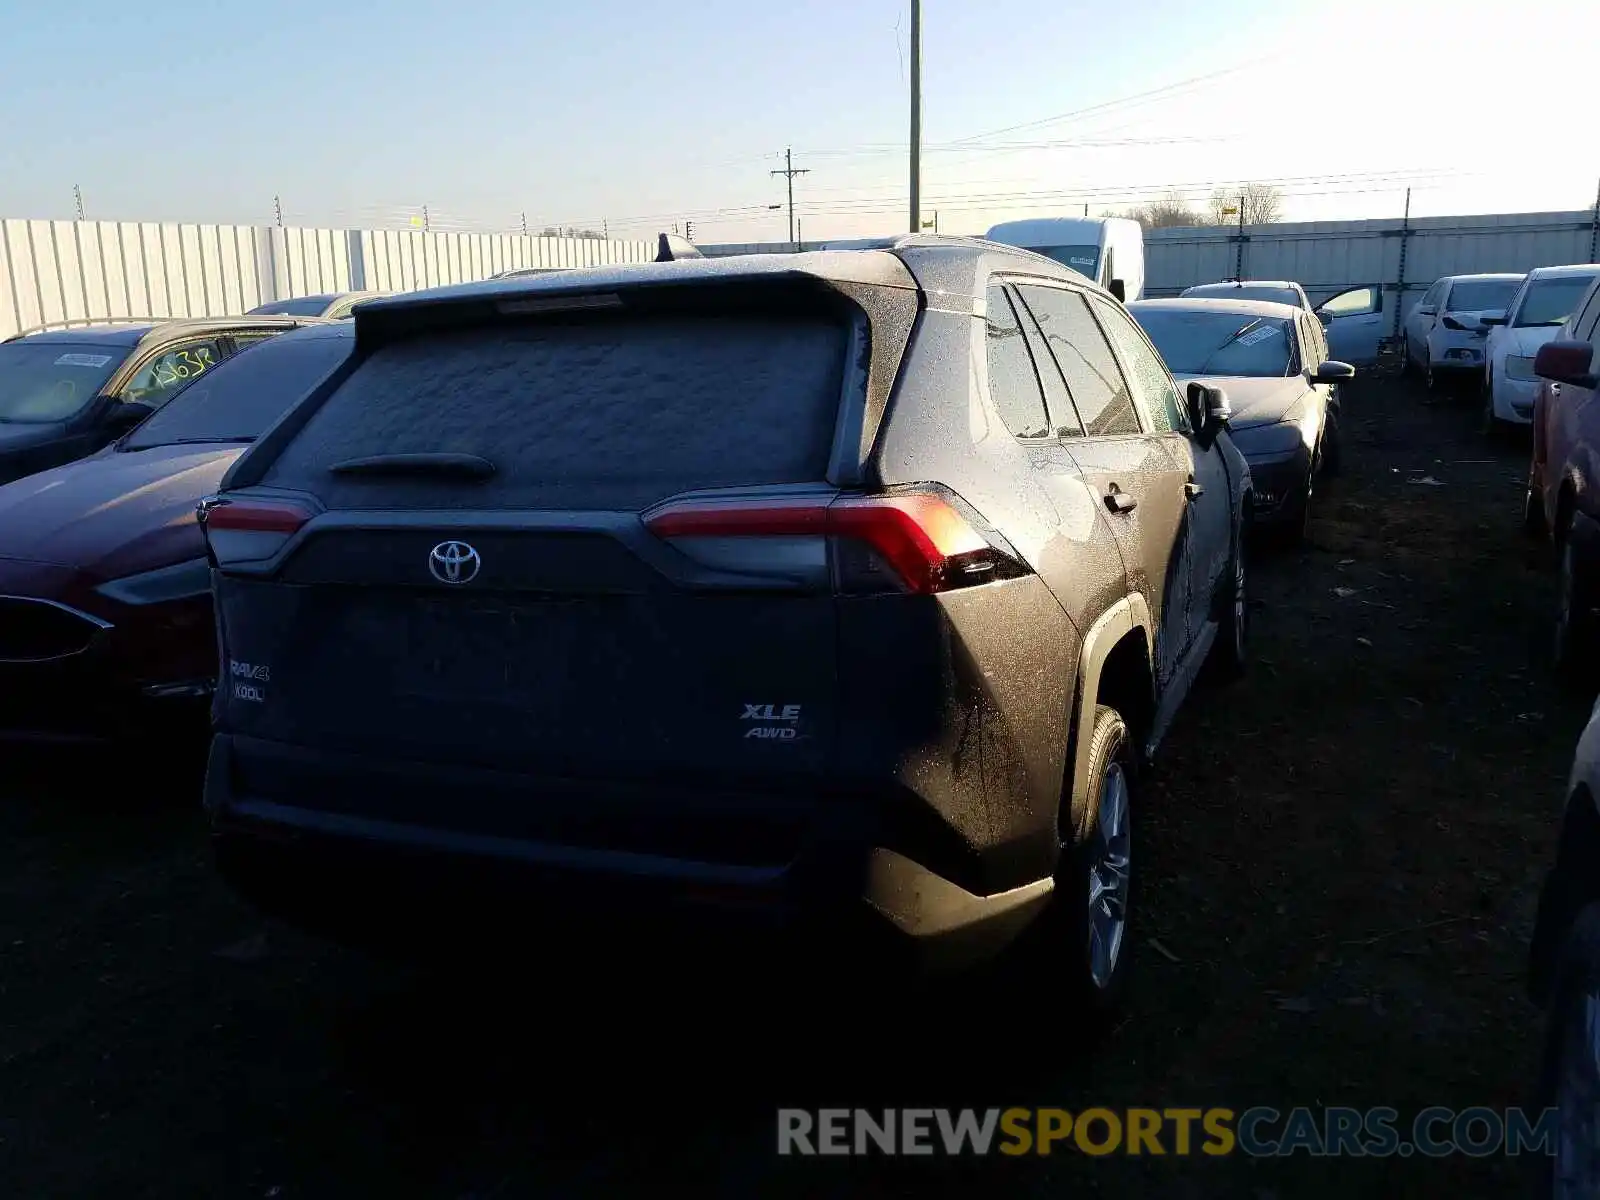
{"points": [[631, 117]]}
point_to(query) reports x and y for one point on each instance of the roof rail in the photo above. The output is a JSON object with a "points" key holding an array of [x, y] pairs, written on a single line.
{"points": [[89, 321]]}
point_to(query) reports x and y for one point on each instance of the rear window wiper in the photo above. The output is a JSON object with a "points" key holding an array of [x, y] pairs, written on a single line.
{"points": [[450, 466]]}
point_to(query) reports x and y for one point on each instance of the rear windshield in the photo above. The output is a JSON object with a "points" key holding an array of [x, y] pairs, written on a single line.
{"points": [[305, 306], [1476, 295], [1248, 291], [614, 413], [43, 382], [239, 398]]}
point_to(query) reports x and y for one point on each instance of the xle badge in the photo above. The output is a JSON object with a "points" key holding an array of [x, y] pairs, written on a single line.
{"points": [[787, 716]]}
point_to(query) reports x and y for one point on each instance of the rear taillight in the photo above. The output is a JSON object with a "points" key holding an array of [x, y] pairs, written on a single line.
{"points": [[922, 540], [249, 530]]}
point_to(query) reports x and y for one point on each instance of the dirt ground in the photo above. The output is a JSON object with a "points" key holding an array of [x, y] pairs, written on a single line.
{"points": [[1342, 853]]}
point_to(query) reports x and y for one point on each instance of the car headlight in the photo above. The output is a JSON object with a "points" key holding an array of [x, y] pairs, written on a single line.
{"points": [[177, 582], [1520, 368]]}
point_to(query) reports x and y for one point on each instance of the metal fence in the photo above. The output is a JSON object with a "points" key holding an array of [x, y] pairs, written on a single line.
{"points": [[1402, 255], [74, 270]]}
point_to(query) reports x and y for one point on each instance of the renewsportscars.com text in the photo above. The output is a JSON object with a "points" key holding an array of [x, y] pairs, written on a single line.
{"points": [[1259, 1132]]}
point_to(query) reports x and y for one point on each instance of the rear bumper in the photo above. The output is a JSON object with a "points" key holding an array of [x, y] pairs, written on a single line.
{"points": [[417, 889]]}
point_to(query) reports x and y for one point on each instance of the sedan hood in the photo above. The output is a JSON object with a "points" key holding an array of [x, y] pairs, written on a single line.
{"points": [[1256, 401], [115, 513]]}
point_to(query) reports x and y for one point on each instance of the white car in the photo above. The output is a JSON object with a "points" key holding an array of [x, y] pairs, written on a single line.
{"points": [[1536, 313], [1443, 334]]}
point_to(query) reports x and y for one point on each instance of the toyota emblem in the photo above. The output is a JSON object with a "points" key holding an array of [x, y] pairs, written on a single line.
{"points": [[454, 562]]}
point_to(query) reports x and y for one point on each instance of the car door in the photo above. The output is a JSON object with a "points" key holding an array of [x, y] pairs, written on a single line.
{"points": [[1139, 480], [1017, 389], [1208, 508], [1420, 321], [1573, 424], [1354, 324]]}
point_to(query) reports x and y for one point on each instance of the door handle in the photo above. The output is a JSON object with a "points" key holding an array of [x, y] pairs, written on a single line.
{"points": [[1118, 501], [1193, 490]]}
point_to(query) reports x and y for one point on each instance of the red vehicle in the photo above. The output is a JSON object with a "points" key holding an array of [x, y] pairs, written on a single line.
{"points": [[1564, 478], [105, 595]]}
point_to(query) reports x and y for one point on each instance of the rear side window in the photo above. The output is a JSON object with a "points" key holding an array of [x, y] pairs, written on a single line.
{"points": [[1012, 381], [241, 397], [1146, 371], [1098, 388], [612, 413]]}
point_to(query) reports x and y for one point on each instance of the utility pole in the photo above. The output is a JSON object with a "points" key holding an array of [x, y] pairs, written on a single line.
{"points": [[1400, 272], [277, 210], [1238, 262], [77, 197], [916, 116], [790, 171], [524, 224], [1594, 226], [424, 218]]}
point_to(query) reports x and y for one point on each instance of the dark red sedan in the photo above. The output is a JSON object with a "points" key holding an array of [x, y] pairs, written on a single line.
{"points": [[105, 594]]}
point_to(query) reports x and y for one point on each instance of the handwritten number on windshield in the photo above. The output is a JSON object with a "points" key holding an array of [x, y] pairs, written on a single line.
{"points": [[182, 365]]}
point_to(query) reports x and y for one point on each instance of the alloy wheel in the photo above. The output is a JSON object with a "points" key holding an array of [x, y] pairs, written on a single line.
{"points": [[1110, 854]]}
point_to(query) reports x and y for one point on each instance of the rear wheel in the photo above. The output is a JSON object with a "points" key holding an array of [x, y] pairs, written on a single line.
{"points": [[1078, 949], [1094, 884]]}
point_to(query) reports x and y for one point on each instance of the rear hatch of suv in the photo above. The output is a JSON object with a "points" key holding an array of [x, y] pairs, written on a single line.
{"points": [[565, 535]]}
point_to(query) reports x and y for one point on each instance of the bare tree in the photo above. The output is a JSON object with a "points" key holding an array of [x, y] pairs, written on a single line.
{"points": [[1168, 212], [1262, 204]]}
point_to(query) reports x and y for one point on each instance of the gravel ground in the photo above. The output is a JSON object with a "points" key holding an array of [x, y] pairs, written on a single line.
{"points": [[1341, 857]]}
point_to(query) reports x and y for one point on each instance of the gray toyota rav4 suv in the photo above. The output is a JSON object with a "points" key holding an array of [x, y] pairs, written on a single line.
{"points": [[844, 592]]}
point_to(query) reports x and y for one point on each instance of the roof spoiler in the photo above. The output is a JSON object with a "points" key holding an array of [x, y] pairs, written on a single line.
{"points": [[672, 247]]}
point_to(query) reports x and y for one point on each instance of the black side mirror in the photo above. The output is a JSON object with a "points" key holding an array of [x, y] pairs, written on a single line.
{"points": [[124, 415], [1119, 289], [1195, 403], [1209, 410], [1325, 317], [1332, 371], [1492, 318]]}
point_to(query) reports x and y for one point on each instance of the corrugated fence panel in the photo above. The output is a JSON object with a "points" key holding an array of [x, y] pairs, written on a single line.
{"points": [[54, 271]]}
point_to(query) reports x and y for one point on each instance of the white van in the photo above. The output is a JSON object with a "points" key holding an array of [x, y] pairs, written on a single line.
{"points": [[1108, 250]]}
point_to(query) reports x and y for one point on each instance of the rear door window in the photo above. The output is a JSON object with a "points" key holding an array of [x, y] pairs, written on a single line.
{"points": [[1013, 384], [1098, 388], [608, 413]]}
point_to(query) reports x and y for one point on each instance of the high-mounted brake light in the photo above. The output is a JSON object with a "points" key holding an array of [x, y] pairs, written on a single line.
{"points": [[922, 535]]}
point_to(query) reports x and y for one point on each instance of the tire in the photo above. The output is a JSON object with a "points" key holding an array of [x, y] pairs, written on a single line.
{"points": [[1085, 961], [1575, 623], [1491, 426], [1230, 653], [1332, 451], [1533, 522]]}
